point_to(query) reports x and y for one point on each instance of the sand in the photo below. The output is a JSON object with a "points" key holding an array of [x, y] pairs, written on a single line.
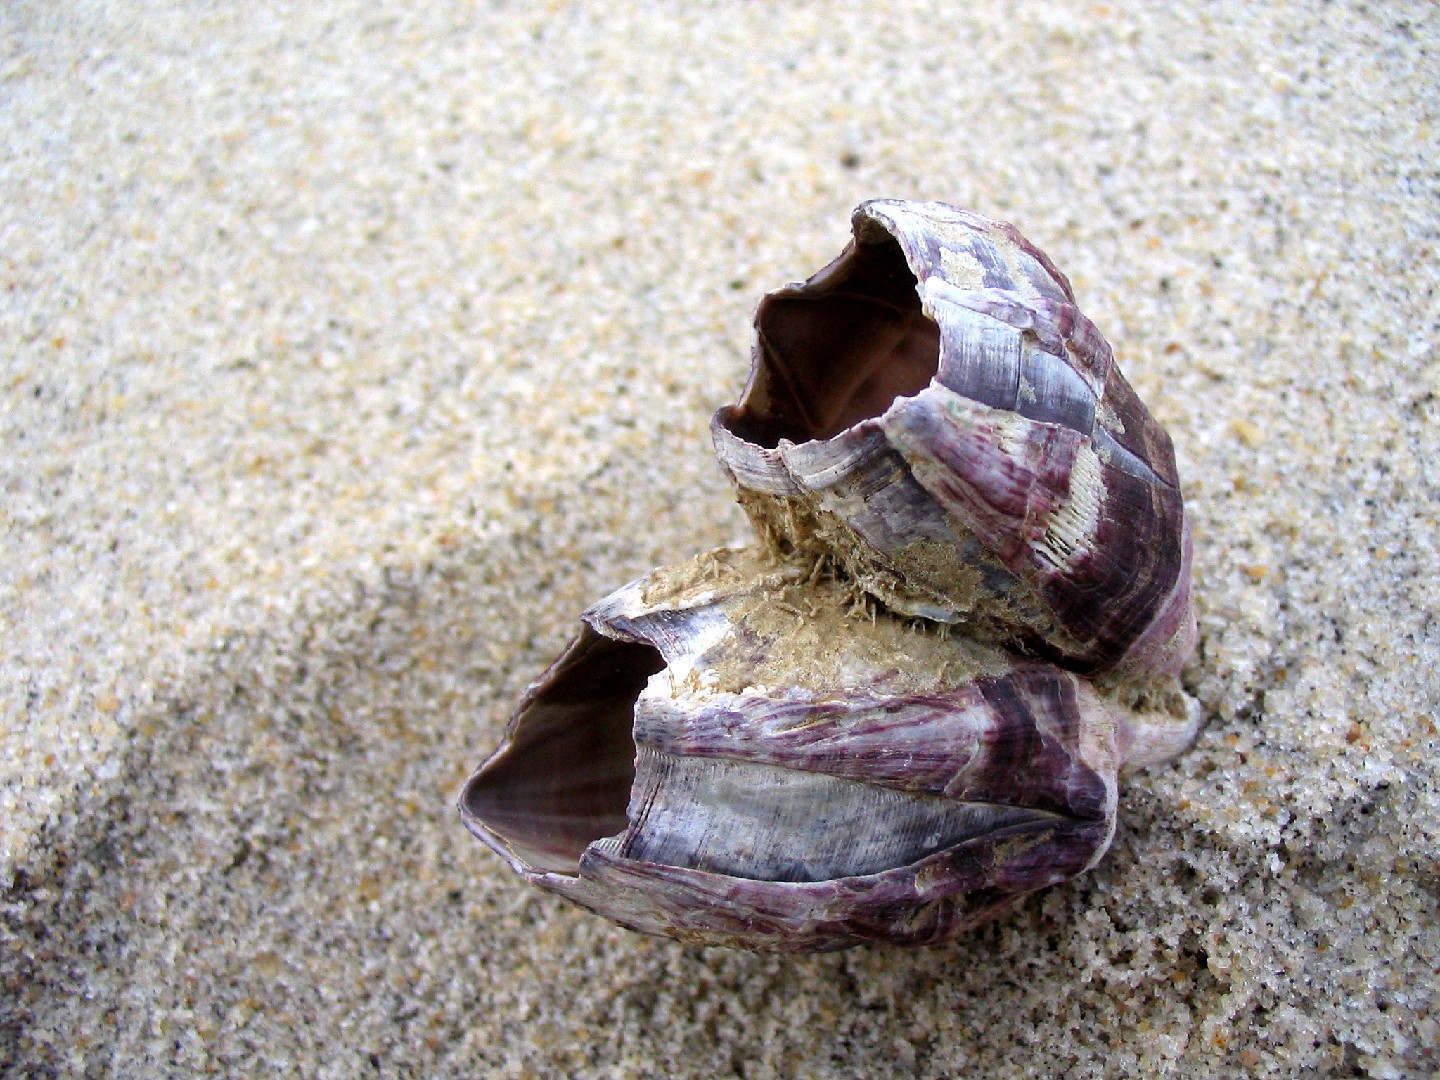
{"points": [[347, 353]]}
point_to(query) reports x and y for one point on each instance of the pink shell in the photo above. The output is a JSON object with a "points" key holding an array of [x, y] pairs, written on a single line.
{"points": [[748, 750], [857, 803], [934, 408]]}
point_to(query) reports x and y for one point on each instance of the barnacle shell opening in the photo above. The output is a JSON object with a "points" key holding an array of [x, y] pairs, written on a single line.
{"points": [[838, 349], [563, 777]]}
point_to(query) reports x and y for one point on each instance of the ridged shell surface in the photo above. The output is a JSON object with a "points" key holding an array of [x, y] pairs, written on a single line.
{"points": [[681, 772], [934, 411], [908, 705]]}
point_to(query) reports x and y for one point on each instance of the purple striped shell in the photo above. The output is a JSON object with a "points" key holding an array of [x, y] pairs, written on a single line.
{"points": [[678, 771], [908, 706], [932, 410]]}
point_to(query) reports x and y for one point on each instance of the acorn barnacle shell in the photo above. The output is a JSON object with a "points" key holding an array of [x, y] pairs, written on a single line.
{"points": [[730, 755], [934, 411], [909, 704]]}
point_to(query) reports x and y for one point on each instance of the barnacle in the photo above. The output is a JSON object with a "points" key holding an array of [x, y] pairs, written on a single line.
{"points": [[734, 751], [935, 412]]}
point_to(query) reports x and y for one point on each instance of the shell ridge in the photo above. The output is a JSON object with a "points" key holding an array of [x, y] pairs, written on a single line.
{"points": [[1004, 740], [994, 470], [802, 916]]}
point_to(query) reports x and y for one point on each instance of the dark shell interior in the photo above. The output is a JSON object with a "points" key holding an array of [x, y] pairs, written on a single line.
{"points": [[562, 779], [839, 349]]}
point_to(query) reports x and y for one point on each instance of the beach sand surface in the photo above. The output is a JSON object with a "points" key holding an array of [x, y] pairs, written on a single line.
{"points": [[348, 351]]}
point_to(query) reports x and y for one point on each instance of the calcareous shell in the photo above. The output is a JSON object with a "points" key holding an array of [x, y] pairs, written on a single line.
{"points": [[934, 411], [731, 755], [908, 705]]}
